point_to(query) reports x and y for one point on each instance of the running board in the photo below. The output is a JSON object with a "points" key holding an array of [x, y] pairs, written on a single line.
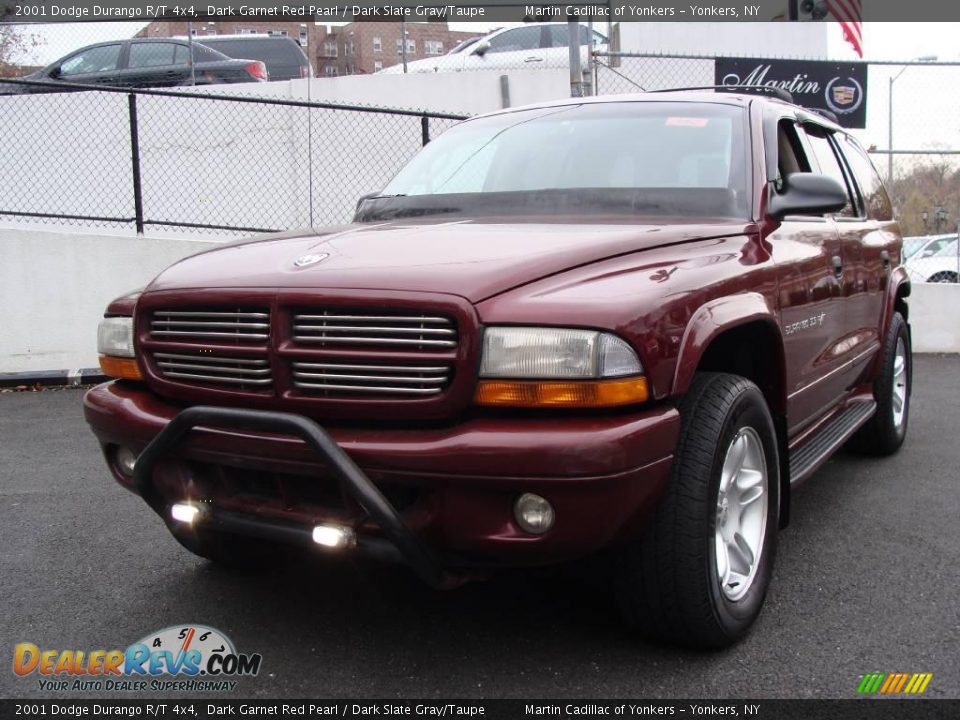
{"points": [[816, 451]]}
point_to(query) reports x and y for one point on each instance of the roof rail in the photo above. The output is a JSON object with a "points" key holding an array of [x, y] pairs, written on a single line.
{"points": [[776, 92]]}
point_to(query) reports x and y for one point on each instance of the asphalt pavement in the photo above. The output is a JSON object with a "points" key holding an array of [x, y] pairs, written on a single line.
{"points": [[866, 580]]}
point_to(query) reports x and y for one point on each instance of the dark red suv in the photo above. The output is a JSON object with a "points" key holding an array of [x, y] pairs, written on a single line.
{"points": [[625, 324]]}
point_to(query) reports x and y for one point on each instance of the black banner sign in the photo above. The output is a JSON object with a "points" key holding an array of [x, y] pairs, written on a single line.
{"points": [[840, 88]]}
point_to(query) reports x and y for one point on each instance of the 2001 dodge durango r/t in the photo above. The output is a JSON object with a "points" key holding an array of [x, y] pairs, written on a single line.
{"points": [[629, 325]]}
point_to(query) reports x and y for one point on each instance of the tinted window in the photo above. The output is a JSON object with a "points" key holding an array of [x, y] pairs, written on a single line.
{"points": [[94, 60], [830, 166], [525, 38], [875, 199], [154, 54], [684, 152]]}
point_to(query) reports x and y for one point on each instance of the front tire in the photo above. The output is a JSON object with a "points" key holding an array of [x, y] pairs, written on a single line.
{"points": [[699, 573]]}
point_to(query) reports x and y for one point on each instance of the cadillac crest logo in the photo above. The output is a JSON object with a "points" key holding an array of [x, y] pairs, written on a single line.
{"points": [[844, 95], [310, 259]]}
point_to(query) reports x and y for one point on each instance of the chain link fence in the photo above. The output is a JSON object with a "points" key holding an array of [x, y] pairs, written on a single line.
{"points": [[209, 163]]}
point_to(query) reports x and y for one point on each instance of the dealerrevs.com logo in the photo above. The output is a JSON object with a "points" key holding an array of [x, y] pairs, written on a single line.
{"points": [[188, 658]]}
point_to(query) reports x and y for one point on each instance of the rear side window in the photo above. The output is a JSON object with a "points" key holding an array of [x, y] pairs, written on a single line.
{"points": [[155, 54], [874, 198], [826, 158], [201, 54]]}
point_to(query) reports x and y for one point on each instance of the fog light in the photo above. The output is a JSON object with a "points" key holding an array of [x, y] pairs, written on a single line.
{"points": [[336, 537], [126, 460], [534, 514], [184, 512]]}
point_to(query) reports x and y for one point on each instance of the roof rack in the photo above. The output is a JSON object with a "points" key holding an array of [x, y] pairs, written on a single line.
{"points": [[776, 92], [832, 117]]}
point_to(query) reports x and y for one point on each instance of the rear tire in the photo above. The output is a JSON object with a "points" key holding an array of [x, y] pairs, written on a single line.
{"points": [[943, 277], [692, 578], [884, 433]]}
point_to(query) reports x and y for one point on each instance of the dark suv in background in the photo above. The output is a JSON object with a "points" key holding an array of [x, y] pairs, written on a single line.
{"points": [[283, 56]]}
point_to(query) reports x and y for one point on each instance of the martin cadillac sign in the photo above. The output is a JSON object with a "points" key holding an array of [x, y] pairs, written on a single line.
{"points": [[840, 88]]}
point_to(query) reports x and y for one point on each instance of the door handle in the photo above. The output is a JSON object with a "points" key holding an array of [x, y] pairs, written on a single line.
{"points": [[533, 59], [837, 266]]}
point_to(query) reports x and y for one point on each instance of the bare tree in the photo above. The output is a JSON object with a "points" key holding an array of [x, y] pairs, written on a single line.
{"points": [[16, 46]]}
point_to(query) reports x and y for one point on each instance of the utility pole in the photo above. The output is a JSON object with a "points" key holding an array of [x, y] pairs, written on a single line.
{"points": [[576, 73], [403, 43], [193, 70]]}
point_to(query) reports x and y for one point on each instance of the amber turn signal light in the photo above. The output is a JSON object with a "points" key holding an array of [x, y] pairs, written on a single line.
{"points": [[575, 394], [118, 367]]}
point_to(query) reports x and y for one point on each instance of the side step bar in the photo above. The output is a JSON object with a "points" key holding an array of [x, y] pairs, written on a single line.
{"points": [[351, 478], [816, 451]]}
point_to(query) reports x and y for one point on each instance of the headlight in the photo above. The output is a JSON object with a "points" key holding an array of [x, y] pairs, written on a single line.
{"points": [[540, 367], [115, 346], [115, 337]]}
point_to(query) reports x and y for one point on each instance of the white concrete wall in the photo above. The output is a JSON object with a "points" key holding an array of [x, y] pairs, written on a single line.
{"points": [[933, 319], [54, 287]]}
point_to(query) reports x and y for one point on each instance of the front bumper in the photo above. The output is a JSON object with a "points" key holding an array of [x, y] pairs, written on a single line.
{"points": [[602, 474]]}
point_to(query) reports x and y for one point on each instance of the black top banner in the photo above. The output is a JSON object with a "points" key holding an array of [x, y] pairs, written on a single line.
{"points": [[468, 10], [196, 709], [840, 88]]}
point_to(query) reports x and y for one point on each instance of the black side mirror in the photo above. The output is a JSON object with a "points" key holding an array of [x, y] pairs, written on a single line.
{"points": [[481, 48], [807, 194], [54, 74]]}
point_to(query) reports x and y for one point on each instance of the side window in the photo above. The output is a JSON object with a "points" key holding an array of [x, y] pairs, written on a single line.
{"points": [[524, 38], [873, 196], [560, 36], [153, 54], [98, 59], [826, 158]]}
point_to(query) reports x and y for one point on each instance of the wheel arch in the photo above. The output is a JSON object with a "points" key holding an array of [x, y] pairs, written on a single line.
{"points": [[734, 335]]}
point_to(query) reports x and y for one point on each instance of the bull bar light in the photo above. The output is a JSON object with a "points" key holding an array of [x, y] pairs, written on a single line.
{"points": [[558, 367]]}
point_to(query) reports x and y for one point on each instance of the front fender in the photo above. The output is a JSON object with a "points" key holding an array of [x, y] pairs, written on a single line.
{"points": [[711, 320]]}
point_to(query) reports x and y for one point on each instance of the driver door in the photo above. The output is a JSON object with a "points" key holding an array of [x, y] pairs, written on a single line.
{"points": [[95, 65]]}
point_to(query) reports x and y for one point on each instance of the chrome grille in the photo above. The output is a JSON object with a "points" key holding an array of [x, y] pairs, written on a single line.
{"points": [[380, 379], [357, 328], [207, 368], [220, 325]]}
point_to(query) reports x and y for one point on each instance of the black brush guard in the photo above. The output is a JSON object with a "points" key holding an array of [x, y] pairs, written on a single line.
{"points": [[352, 478]]}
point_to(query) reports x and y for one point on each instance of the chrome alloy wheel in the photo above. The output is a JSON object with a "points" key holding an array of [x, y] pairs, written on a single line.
{"points": [[900, 389], [742, 508]]}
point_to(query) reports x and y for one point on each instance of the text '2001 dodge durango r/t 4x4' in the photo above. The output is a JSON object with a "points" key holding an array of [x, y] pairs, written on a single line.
{"points": [[629, 324]]}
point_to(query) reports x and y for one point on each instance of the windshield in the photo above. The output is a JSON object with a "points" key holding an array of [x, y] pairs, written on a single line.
{"points": [[911, 245], [624, 157]]}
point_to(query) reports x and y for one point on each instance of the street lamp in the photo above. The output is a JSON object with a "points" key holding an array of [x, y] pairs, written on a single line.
{"points": [[892, 80]]}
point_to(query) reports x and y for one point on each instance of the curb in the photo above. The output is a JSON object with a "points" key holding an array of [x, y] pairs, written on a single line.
{"points": [[73, 378]]}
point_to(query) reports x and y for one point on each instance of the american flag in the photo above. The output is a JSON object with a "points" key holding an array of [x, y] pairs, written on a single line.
{"points": [[847, 13]]}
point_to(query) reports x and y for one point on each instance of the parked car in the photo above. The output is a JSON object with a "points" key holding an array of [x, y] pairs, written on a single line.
{"points": [[538, 45], [143, 63], [283, 56], [926, 245], [940, 264], [624, 324]]}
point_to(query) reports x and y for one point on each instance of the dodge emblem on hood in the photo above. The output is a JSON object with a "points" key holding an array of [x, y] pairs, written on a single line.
{"points": [[305, 260]]}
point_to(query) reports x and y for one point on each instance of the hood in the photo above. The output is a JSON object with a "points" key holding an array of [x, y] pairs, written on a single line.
{"points": [[473, 259]]}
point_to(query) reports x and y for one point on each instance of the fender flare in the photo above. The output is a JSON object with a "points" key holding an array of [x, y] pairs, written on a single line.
{"points": [[709, 321], [899, 279]]}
